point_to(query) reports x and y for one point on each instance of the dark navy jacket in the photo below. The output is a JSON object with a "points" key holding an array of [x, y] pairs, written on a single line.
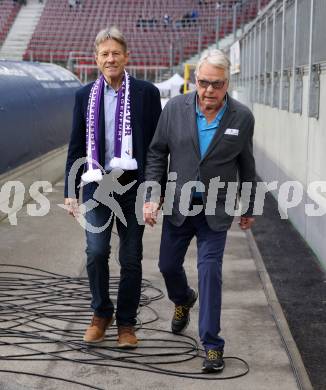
{"points": [[145, 105]]}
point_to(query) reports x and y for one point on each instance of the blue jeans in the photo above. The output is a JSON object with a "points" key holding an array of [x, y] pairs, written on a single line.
{"points": [[130, 256], [210, 249]]}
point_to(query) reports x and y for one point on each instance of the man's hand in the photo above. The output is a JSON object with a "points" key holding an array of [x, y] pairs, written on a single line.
{"points": [[150, 211], [73, 206], [246, 222]]}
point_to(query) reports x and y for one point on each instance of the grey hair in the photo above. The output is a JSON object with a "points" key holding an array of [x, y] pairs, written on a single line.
{"points": [[216, 58], [110, 33]]}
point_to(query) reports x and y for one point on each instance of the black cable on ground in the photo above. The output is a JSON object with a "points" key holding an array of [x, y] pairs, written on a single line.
{"points": [[50, 377], [44, 315]]}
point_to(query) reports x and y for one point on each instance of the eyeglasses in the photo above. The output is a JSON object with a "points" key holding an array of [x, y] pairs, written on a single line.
{"points": [[216, 84]]}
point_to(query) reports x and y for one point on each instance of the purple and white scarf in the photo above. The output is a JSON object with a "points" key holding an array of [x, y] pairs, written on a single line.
{"points": [[123, 132]]}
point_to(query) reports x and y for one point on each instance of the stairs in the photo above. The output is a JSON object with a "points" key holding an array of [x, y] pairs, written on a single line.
{"points": [[21, 31]]}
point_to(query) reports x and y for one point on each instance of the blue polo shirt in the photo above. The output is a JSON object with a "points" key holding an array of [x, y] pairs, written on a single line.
{"points": [[206, 131]]}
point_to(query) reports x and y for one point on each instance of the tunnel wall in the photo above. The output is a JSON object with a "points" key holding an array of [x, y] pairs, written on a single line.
{"points": [[36, 105]]}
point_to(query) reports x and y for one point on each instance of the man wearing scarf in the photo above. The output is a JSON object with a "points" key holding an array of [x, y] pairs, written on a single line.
{"points": [[207, 136], [114, 121]]}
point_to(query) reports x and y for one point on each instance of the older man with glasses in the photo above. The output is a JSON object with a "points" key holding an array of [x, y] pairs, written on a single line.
{"points": [[207, 138]]}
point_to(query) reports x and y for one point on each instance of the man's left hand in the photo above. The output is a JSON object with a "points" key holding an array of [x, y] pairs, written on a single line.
{"points": [[150, 211], [246, 222]]}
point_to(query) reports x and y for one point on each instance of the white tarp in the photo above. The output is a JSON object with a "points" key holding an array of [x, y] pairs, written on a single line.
{"points": [[170, 87]]}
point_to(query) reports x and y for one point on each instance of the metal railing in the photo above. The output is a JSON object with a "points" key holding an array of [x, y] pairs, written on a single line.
{"points": [[284, 43]]}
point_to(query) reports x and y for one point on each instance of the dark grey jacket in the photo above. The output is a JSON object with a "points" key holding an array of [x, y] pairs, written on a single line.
{"points": [[229, 156]]}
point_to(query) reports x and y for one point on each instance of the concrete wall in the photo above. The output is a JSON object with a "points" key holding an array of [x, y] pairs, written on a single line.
{"points": [[290, 146]]}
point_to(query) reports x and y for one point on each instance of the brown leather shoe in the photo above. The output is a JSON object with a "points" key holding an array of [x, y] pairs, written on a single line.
{"points": [[127, 337], [96, 331]]}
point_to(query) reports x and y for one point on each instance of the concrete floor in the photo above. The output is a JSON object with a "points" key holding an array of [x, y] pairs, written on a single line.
{"points": [[55, 243]]}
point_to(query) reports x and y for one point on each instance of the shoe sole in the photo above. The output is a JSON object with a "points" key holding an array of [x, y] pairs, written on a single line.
{"points": [[127, 346], [93, 341], [100, 339], [212, 370]]}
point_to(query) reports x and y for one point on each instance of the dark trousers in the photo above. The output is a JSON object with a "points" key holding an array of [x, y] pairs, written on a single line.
{"points": [[210, 249], [130, 256]]}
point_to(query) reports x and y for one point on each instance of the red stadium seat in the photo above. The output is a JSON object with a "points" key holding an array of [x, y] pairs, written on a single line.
{"points": [[152, 42]]}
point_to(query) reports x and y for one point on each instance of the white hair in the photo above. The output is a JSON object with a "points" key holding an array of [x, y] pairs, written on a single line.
{"points": [[216, 58]]}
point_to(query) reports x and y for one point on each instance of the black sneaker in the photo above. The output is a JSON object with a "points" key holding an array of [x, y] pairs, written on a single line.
{"points": [[181, 315], [213, 361]]}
